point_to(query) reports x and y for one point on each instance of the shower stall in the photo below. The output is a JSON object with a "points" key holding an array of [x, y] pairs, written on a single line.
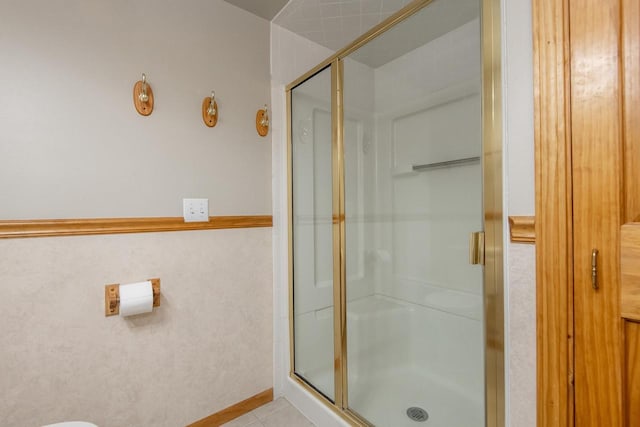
{"points": [[395, 221]]}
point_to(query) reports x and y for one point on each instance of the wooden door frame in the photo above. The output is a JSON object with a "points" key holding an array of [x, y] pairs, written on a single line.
{"points": [[553, 204], [554, 232]]}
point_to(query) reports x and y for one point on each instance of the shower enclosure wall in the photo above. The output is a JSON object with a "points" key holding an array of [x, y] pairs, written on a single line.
{"points": [[394, 161]]}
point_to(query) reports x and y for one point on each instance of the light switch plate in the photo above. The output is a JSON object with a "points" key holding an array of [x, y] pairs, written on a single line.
{"points": [[195, 210]]}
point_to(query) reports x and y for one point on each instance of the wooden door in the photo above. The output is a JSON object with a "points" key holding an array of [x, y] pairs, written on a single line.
{"points": [[597, 165], [587, 191]]}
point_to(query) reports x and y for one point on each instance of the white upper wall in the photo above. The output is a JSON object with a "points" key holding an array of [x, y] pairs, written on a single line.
{"points": [[518, 106], [71, 142], [293, 55]]}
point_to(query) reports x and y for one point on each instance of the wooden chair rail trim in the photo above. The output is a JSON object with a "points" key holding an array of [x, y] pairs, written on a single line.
{"points": [[522, 229], [235, 411], [11, 229]]}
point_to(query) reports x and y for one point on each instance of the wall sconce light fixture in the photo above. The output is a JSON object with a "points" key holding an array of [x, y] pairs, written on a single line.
{"points": [[210, 110], [262, 121], [143, 96]]}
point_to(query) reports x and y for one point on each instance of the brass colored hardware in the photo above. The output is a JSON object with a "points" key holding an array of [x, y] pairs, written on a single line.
{"points": [[111, 300], [143, 96], [210, 110], [594, 269], [339, 235], [476, 248], [262, 121]]}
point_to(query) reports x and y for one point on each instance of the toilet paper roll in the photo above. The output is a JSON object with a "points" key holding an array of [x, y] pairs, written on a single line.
{"points": [[136, 298]]}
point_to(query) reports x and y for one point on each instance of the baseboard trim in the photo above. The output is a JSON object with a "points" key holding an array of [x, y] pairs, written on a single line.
{"points": [[235, 411]]}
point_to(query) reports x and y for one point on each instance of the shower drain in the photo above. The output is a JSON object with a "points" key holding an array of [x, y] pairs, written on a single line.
{"points": [[417, 414]]}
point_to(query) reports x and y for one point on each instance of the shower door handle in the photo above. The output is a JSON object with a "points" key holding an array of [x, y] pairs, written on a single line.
{"points": [[476, 248]]}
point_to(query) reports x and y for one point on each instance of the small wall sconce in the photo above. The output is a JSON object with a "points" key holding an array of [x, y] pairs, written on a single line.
{"points": [[210, 110], [262, 121], [143, 96]]}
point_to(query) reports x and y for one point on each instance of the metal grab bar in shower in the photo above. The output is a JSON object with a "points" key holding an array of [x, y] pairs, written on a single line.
{"points": [[448, 163]]}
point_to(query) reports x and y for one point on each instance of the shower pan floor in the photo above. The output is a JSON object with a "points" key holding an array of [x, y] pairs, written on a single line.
{"points": [[384, 399]]}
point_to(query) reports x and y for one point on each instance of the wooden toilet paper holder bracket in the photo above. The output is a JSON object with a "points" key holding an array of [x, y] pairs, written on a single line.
{"points": [[112, 297]]}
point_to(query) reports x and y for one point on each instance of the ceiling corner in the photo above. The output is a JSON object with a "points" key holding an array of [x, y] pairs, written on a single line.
{"points": [[266, 9]]}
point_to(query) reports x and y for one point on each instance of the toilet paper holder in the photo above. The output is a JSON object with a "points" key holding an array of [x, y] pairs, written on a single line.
{"points": [[112, 297]]}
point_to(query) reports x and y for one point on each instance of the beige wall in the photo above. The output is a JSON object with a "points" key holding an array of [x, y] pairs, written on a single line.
{"points": [[519, 195], [72, 145], [206, 347], [71, 142]]}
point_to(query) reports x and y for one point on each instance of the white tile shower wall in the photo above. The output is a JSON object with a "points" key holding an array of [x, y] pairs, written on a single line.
{"points": [[208, 346], [312, 230], [444, 62], [420, 98], [390, 339], [459, 362], [312, 221], [312, 198], [312, 114], [379, 332], [360, 179], [313, 260], [360, 190], [387, 336], [292, 55], [337, 21]]}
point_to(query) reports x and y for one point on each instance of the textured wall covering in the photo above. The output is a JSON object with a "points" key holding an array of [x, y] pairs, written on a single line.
{"points": [[522, 335], [208, 346]]}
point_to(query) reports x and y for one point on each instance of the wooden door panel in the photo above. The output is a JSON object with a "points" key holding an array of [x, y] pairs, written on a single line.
{"points": [[631, 121], [630, 239], [597, 332], [597, 209], [632, 373], [630, 271], [630, 311]]}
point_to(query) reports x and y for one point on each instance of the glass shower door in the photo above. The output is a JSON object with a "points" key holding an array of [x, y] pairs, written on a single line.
{"points": [[413, 195], [312, 243]]}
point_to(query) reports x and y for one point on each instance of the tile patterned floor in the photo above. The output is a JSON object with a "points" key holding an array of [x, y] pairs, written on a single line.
{"points": [[279, 413]]}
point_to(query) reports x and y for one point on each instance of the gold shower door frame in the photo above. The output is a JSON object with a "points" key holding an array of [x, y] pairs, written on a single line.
{"points": [[492, 202]]}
